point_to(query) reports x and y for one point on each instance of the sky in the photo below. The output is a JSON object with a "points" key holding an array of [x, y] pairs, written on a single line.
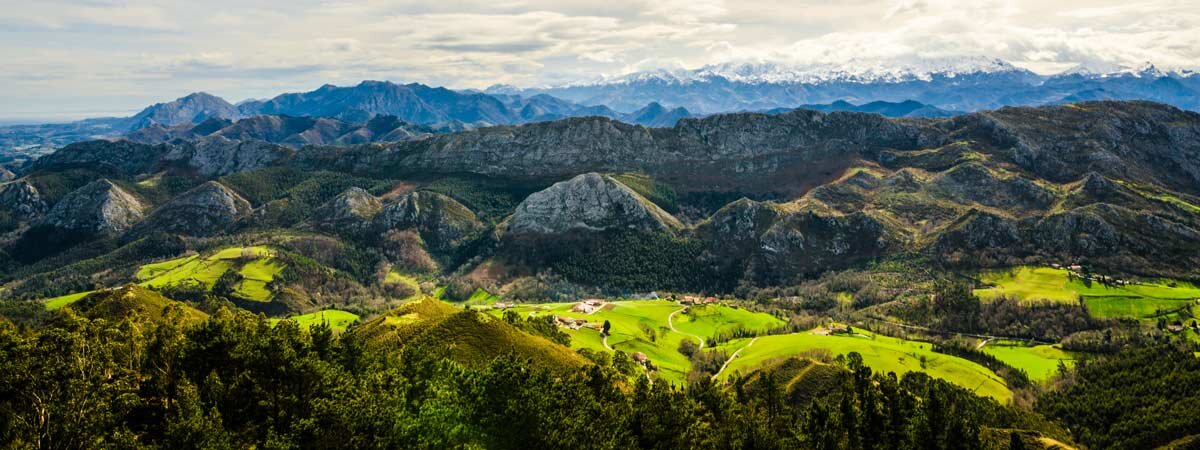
{"points": [[68, 59]]}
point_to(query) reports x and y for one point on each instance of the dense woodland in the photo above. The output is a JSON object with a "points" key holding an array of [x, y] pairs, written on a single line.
{"points": [[234, 381]]}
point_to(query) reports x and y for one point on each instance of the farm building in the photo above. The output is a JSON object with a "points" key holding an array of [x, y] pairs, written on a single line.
{"points": [[588, 306]]}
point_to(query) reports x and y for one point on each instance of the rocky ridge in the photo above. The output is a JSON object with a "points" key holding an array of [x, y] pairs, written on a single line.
{"points": [[442, 222], [206, 210], [589, 202], [99, 208], [21, 200], [352, 208]]}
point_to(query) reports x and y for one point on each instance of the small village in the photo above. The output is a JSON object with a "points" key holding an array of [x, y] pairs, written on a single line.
{"points": [[1077, 271]]}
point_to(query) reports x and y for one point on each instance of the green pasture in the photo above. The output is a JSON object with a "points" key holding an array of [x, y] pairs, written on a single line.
{"points": [[256, 266], [1143, 299], [59, 302], [713, 320], [1039, 361], [255, 276], [637, 326], [881, 353], [337, 319]]}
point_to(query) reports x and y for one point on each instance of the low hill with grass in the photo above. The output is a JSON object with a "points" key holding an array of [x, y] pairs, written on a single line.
{"points": [[134, 301], [430, 328]]}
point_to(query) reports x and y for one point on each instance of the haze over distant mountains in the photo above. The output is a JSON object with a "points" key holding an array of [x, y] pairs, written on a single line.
{"points": [[961, 84], [658, 98]]}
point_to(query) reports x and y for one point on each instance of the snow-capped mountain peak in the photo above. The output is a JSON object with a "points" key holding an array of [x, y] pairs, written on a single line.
{"points": [[1147, 70], [1100, 69], [854, 70]]}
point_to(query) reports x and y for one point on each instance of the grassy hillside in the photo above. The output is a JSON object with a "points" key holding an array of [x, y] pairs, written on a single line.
{"points": [[338, 320], [430, 328], [881, 353], [642, 326], [133, 300], [1138, 300], [254, 266], [1039, 362], [59, 302], [715, 320]]}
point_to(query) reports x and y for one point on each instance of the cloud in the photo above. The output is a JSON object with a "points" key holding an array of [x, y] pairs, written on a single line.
{"points": [[90, 54], [59, 14]]}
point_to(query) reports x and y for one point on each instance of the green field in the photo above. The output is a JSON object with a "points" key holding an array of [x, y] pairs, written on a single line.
{"points": [[633, 323], [59, 302], [191, 269], [1039, 362], [637, 326], [338, 320], [1140, 300], [1115, 307], [881, 353], [482, 297], [713, 320], [255, 276], [256, 267], [641, 326]]}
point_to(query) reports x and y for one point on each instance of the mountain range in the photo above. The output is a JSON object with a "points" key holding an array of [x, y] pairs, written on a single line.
{"points": [[962, 84], [725, 200], [927, 88], [413, 103]]}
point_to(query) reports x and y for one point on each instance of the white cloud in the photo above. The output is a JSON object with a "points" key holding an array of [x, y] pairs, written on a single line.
{"points": [[117, 54]]}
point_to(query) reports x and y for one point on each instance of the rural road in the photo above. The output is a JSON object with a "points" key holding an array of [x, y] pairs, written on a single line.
{"points": [[731, 357], [983, 343], [671, 323]]}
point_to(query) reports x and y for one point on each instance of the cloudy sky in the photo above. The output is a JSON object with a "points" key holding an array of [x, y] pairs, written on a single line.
{"points": [[83, 58]]}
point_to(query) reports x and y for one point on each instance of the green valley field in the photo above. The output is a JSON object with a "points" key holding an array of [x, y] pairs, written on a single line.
{"points": [[254, 267], [1039, 362], [881, 353], [338, 320], [646, 326], [1143, 299]]}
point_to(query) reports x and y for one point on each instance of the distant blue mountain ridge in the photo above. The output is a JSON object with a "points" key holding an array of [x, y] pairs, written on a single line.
{"points": [[657, 98]]}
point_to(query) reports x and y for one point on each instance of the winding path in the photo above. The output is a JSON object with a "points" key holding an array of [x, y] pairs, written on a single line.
{"points": [[671, 323], [731, 357]]}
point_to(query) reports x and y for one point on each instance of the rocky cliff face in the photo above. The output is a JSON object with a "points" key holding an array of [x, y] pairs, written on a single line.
{"points": [[203, 211], [350, 210], [787, 152], [973, 183], [589, 202], [443, 223], [21, 200], [99, 208], [216, 155], [285, 130], [6, 175], [809, 242], [122, 157], [1126, 140]]}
